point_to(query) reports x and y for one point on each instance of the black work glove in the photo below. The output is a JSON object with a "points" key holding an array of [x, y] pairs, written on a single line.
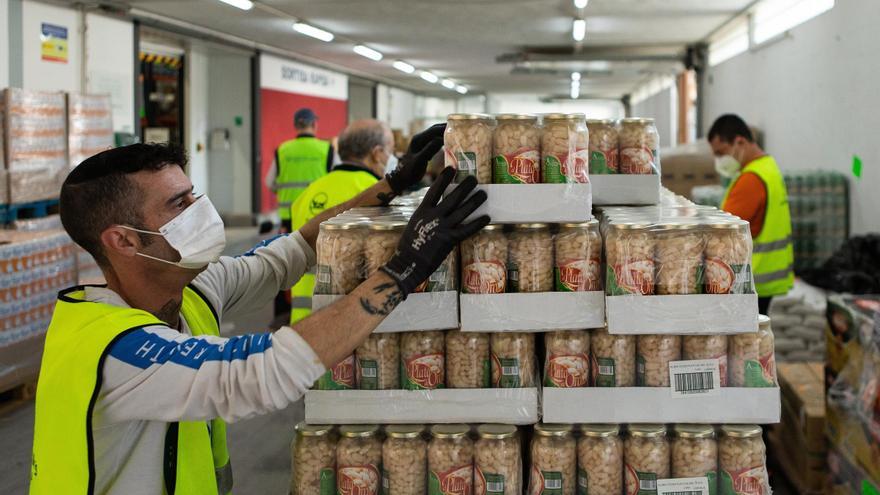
{"points": [[412, 166], [434, 230]]}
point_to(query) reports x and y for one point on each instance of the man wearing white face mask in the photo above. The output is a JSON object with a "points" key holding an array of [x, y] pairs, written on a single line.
{"points": [[757, 194], [136, 383], [366, 148]]}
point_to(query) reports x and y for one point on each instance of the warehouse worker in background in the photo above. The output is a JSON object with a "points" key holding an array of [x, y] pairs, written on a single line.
{"points": [[136, 383], [298, 163], [366, 147], [757, 194]]}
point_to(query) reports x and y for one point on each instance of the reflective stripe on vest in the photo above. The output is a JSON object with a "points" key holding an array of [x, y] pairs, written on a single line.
{"points": [[772, 250], [78, 340], [300, 162]]}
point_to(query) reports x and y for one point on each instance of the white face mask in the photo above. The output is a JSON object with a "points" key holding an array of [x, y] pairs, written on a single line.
{"points": [[727, 166], [391, 163], [197, 234]]}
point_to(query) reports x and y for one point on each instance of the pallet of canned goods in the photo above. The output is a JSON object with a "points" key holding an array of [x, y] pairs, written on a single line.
{"points": [[354, 245], [677, 269], [543, 459], [532, 277], [531, 172], [624, 162], [432, 377]]}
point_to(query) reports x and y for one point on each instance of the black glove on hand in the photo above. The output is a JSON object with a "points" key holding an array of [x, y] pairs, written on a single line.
{"points": [[412, 166], [434, 230]]}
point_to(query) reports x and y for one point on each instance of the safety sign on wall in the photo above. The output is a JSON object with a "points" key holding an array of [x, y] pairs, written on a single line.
{"points": [[54, 43]]}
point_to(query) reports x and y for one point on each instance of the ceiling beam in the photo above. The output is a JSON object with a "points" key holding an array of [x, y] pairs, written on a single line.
{"points": [[611, 53]]}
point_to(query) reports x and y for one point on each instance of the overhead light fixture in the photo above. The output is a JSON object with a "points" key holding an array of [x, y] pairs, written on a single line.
{"points": [[580, 4], [403, 66], [368, 52], [579, 29], [575, 76], [575, 91], [241, 4], [429, 76], [461, 89], [309, 30], [448, 83]]}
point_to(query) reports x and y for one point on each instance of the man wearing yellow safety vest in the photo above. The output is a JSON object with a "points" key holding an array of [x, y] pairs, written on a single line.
{"points": [[366, 148], [757, 194], [136, 383], [298, 163]]}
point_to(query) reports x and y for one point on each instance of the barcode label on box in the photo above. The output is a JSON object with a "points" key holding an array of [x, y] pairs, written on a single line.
{"points": [[683, 486], [698, 377]]}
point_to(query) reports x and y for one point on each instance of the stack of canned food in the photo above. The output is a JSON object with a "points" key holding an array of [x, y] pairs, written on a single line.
{"points": [[667, 250], [563, 459], [532, 257], [436, 359], [561, 148]]}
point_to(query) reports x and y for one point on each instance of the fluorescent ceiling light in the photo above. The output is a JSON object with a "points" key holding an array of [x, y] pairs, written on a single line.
{"points": [[368, 52], [448, 83], [575, 92], [461, 89], [309, 30], [579, 29], [403, 66], [580, 4], [575, 76], [242, 4], [428, 76]]}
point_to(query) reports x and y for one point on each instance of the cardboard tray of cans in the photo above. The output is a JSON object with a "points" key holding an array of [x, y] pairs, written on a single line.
{"points": [[532, 276], [657, 405], [680, 269], [477, 405], [420, 311], [619, 189]]}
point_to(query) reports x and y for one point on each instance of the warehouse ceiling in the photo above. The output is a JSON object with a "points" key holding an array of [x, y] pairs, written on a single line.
{"points": [[499, 46]]}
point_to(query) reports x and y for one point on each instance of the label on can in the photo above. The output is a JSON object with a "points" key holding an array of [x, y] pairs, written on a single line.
{"points": [[368, 374], [578, 275], [583, 484], [545, 482], [724, 278], [603, 372], [604, 162], [748, 481], [640, 482], [422, 372], [386, 482], [465, 163], [339, 377], [508, 372], [358, 480], [760, 372], [561, 168], [641, 371], [635, 277], [484, 277], [486, 378], [637, 161], [327, 482], [512, 277], [683, 486], [567, 371], [488, 483], [439, 280], [456, 481], [520, 167], [323, 279]]}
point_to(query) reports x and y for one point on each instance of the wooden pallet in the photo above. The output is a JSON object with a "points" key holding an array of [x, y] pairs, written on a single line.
{"points": [[22, 211], [17, 396]]}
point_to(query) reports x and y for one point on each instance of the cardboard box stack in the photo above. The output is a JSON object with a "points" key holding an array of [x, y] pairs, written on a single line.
{"points": [[90, 125], [34, 267], [799, 323], [688, 166], [852, 378], [799, 440], [35, 141]]}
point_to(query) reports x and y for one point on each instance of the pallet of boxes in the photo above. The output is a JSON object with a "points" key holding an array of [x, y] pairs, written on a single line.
{"points": [[459, 396], [852, 380]]}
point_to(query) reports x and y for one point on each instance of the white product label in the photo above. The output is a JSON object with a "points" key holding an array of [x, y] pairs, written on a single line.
{"points": [[697, 377], [683, 486]]}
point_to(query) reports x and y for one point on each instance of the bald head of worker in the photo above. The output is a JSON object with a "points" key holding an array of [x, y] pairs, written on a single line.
{"points": [[367, 142]]}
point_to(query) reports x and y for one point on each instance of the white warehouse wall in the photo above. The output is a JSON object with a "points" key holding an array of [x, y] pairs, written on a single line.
{"points": [[4, 43], [529, 103], [109, 61], [196, 102], [43, 75], [814, 97], [662, 107]]}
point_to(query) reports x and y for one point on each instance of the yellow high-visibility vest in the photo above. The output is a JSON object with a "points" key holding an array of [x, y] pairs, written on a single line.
{"points": [[77, 342], [772, 250], [300, 162]]}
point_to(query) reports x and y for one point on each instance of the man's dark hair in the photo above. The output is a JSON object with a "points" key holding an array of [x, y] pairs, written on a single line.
{"points": [[355, 143], [728, 127], [98, 193]]}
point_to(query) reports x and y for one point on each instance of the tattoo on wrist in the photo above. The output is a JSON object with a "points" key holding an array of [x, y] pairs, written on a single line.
{"points": [[392, 299]]}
